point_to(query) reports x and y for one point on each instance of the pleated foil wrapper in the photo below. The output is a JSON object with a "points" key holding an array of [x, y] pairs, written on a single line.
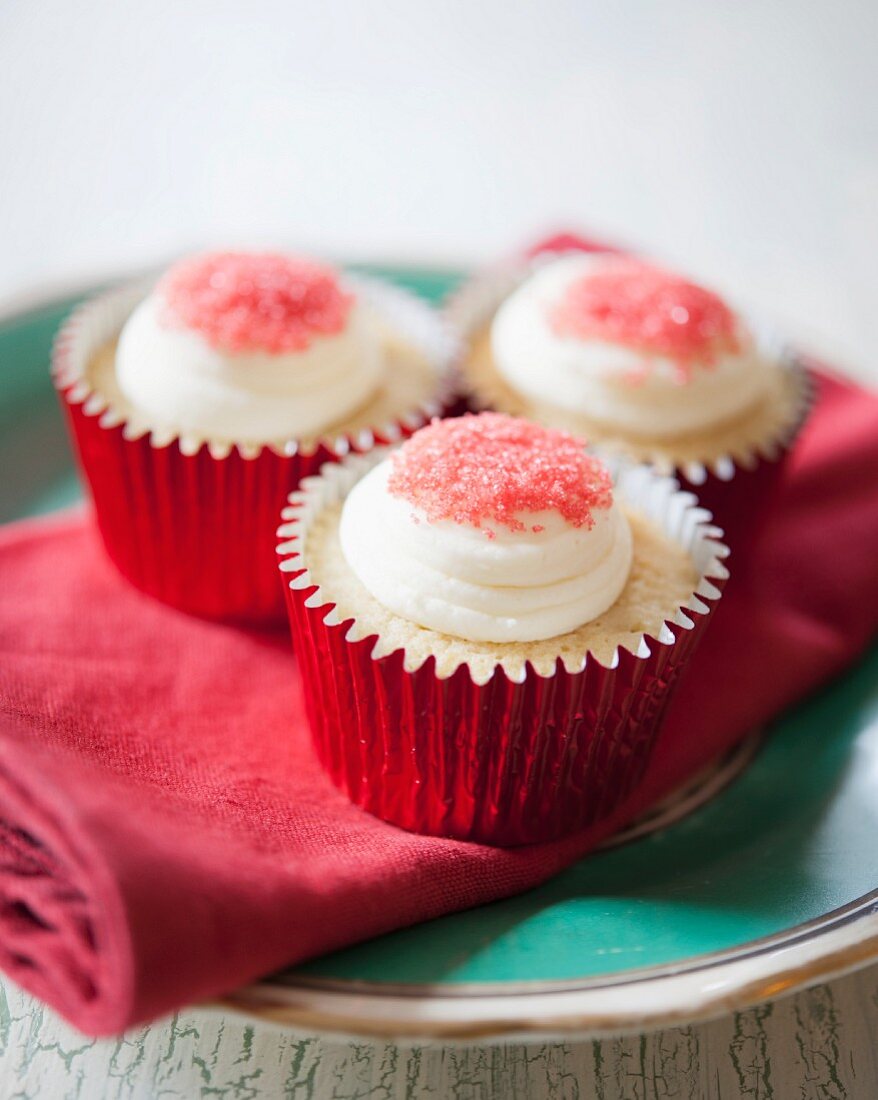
{"points": [[193, 523], [737, 489], [514, 759]]}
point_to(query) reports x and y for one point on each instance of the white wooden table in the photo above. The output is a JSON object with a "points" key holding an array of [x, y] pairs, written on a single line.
{"points": [[820, 1044]]}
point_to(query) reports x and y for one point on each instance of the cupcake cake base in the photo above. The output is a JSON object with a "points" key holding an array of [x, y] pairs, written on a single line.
{"points": [[410, 384], [662, 577], [736, 442]]}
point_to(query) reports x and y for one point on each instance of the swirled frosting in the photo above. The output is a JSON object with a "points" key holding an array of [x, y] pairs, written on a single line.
{"points": [[627, 345], [249, 347], [489, 529]]}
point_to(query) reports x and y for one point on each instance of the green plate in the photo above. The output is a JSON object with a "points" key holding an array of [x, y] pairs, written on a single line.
{"points": [[760, 878]]}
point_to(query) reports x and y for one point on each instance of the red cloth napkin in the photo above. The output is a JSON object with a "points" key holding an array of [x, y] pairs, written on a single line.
{"points": [[165, 832]]}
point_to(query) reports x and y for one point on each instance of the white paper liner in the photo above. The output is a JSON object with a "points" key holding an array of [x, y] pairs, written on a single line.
{"points": [[470, 308], [99, 320], [657, 497]]}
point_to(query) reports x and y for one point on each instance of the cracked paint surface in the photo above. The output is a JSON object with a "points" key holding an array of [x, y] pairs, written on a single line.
{"points": [[817, 1045]]}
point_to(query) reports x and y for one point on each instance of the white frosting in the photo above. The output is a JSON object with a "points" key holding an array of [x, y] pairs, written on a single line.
{"points": [[515, 587], [593, 377], [177, 380]]}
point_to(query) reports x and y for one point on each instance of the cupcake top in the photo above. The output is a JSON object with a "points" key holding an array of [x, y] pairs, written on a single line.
{"points": [[249, 347], [627, 345], [489, 528]]}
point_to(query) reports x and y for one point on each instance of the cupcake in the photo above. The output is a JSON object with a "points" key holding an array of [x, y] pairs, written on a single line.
{"points": [[489, 628], [642, 362], [198, 402]]}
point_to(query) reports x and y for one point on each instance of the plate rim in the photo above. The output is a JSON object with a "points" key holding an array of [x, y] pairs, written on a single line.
{"points": [[707, 986], [700, 988], [685, 991]]}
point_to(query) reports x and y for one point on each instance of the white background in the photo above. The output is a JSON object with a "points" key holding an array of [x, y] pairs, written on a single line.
{"points": [[738, 140]]}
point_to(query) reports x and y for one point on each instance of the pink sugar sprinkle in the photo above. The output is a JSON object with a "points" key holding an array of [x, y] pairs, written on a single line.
{"points": [[242, 301], [493, 468], [632, 303]]}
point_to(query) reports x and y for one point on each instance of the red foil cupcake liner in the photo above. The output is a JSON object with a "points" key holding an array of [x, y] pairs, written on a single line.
{"points": [[736, 490], [738, 493], [193, 523], [739, 502], [519, 758]]}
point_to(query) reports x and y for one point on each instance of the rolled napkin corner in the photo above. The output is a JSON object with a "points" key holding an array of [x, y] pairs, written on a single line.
{"points": [[61, 910]]}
